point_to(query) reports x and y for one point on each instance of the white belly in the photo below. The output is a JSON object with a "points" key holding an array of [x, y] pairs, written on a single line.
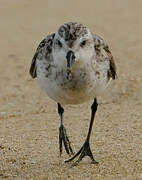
{"points": [[76, 91]]}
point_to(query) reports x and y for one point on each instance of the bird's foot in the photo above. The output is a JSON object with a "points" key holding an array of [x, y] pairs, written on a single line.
{"points": [[64, 138], [84, 151]]}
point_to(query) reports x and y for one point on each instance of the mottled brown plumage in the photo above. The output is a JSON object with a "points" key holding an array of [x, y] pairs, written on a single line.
{"points": [[100, 45], [73, 66], [44, 46]]}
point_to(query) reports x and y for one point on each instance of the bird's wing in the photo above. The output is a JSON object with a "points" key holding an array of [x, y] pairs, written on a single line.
{"points": [[103, 52], [45, 45]]}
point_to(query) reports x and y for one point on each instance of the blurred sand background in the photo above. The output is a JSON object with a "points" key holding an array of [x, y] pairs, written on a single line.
{"points": [[28, 118]]}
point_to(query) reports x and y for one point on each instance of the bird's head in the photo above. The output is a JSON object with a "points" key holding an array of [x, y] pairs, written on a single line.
{"points": [[73, 44]]}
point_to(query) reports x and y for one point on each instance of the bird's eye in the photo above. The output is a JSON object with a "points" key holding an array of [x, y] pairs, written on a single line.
{"points": [[83, 43], [59, 43]]}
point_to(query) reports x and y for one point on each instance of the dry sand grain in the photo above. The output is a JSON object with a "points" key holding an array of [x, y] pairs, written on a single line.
{"points": [[28, 119]]}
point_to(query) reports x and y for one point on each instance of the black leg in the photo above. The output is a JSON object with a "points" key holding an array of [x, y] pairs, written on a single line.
{"points": [[62, 134], [85, 149]]}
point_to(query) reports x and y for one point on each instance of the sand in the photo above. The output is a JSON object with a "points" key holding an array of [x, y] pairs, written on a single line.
{"points": [[29, 120]]}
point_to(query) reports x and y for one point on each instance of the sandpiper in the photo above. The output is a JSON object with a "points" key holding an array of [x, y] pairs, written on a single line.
{"points": [[73, 66]]}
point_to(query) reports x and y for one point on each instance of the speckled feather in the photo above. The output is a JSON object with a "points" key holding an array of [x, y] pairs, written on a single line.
{"points": [[45, 49], [99, 45], [53, 78]]}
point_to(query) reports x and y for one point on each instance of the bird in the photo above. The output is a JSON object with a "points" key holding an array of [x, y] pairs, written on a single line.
{"points": [[72, 66]]}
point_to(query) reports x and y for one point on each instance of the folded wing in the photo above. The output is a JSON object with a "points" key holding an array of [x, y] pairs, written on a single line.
{"points": [[45, 46], [103, 52]]}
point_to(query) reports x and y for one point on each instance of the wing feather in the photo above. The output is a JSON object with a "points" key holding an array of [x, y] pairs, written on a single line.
{"points": [[101, 47], [47, 42]]}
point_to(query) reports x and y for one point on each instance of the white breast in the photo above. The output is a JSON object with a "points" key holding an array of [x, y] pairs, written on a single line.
{"points": [[87, 82]]}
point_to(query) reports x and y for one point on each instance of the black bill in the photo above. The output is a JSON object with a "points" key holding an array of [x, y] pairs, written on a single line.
{"points": [[70, 60]]}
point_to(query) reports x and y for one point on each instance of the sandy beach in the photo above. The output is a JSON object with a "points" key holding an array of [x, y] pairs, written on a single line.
{"points": [[29, 121]]}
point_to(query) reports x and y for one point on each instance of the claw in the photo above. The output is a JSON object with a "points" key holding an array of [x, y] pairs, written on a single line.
{"points": [[64, 138], [84, 151]]}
